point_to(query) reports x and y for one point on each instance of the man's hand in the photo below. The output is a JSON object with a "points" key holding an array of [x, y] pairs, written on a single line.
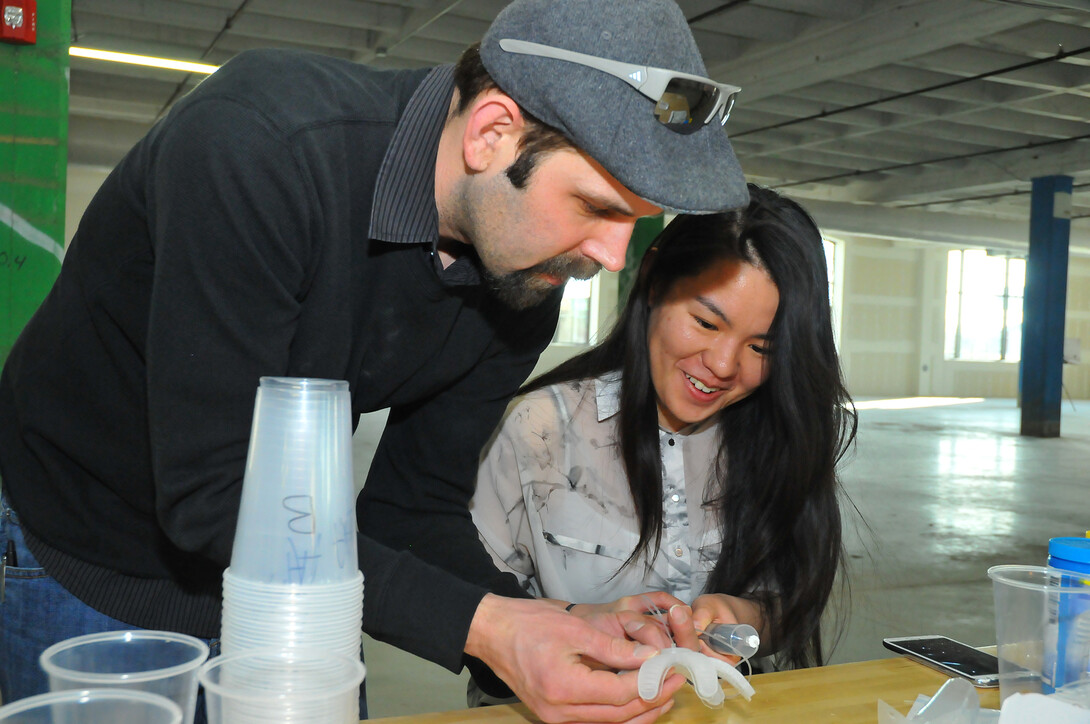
{"points": [[640, 603], [644, 627], [550, 660]]}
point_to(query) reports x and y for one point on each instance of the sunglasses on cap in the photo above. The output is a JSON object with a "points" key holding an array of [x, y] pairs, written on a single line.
{"points": [[684, 103]]}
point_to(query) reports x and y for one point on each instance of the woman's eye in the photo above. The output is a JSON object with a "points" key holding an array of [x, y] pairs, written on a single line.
{"points": [[759, 349], [704, 323]]}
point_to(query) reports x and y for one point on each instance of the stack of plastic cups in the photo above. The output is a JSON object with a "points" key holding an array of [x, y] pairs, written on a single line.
{"points": [[257, 615], [294, 579]]}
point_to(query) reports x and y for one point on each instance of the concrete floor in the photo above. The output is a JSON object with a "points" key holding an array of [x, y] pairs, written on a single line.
{"points": [[942, 493]]}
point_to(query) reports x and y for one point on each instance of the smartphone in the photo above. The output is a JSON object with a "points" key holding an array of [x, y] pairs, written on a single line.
{"points": [[949, 656]]}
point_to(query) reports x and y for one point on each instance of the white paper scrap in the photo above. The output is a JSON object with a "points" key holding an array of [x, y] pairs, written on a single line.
{"points": [[1037, 708]]}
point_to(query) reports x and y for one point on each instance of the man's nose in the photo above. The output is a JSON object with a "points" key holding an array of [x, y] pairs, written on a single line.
{"points": [[608, 247]]}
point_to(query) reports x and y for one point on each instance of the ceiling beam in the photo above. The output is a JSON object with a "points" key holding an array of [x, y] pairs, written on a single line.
{"points": [[930, 227], [1071, 158], [416, 21], [838, 11], [172, 14], [971, 123], [965, 61], [345, 13], [890, 34], [113, 110]]}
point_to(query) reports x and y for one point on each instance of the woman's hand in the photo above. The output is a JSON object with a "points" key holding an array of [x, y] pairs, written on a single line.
{"points": [[721, 608]]}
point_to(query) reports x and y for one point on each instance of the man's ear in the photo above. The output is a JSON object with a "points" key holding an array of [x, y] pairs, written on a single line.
{"points": [[494, 125]]}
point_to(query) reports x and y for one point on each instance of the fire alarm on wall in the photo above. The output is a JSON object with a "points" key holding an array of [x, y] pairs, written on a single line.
{"points": [[19, 21]]}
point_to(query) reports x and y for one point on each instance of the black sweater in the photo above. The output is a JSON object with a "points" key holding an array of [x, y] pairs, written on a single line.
{"points": [[235, 241]]}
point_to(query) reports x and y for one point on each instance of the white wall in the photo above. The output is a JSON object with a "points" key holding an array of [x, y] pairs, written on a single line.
{"points": [[83, 182], [880, 317], [1076, 377], [892, 328]]}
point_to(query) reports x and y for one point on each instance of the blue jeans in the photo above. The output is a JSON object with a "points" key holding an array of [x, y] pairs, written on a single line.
{"points": [[37, 612]]}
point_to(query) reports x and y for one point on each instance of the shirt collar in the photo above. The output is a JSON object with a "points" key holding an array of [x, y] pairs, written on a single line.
{"points": [[403, 210], [607, 397]]}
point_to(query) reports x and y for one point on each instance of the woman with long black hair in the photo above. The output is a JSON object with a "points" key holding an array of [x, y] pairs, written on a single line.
{"points": [[695, 449]]}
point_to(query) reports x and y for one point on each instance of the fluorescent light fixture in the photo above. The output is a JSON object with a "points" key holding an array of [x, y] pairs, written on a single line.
{"points": [[143, 60]]}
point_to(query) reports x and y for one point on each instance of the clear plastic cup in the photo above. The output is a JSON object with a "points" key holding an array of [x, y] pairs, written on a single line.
{"points": [[1022, 597], [157, 662], [92, 706], [266, 686], [297, 517]]}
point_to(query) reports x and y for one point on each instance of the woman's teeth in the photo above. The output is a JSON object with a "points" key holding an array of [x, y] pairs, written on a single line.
{"points": [[701, 386]]}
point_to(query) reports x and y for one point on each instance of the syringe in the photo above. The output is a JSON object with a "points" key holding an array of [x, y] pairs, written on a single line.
{"points": [[735, 639]]}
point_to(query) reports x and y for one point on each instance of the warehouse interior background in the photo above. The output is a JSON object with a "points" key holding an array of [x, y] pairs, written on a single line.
{"points": [[912, 130], [908, 128]]}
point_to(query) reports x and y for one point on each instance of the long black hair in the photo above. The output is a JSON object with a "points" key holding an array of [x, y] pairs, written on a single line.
{"points": [[777, 491]]}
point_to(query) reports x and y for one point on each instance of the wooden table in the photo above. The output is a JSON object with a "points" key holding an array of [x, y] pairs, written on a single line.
{"points": [[845, 694]]}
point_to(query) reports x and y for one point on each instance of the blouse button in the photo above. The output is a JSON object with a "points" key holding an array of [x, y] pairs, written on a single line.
{"points": [[670, 442], [675, 497], [678, 552]]}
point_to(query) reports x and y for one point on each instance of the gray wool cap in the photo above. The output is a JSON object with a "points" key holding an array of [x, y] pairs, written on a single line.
{"points": [[602, 114]]}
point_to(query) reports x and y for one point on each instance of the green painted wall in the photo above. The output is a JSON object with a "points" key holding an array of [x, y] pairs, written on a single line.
{"points": [[33, 167]]}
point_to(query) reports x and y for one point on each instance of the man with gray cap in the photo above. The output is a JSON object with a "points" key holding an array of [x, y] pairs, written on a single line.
{"points": [[408, 231]]}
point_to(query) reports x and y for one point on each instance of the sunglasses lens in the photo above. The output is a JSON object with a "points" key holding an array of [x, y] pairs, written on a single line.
{"points": [[686, 105]]}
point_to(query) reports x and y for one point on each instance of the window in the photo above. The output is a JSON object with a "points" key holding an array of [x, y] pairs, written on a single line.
{"points": [[834, 264], [984, 306], [830, 266], [578, 318]]}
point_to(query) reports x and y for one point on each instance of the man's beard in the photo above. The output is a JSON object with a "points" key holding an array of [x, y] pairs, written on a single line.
{"points": [[526, 288]]}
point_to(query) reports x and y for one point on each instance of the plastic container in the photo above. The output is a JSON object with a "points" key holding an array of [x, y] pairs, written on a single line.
{"points": [[1067, 633], [297, 517], [157, 662], [267, 686], [1022, 595], [92, 706]]}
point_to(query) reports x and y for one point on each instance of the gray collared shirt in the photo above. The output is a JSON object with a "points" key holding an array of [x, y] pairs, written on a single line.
{"points": [[554, 508]]}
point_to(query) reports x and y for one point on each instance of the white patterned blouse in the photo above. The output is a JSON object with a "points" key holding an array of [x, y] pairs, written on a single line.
{"points": [[554, 508]]}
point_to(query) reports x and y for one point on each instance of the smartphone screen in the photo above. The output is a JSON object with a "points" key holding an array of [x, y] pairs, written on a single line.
{"points": [[952, 656]]}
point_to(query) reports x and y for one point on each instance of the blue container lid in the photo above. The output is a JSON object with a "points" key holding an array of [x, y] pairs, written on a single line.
{"points": [[1070, 549]]}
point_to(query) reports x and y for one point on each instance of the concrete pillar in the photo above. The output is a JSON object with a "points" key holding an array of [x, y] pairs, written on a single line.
{"points": [[1041, 371]]}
